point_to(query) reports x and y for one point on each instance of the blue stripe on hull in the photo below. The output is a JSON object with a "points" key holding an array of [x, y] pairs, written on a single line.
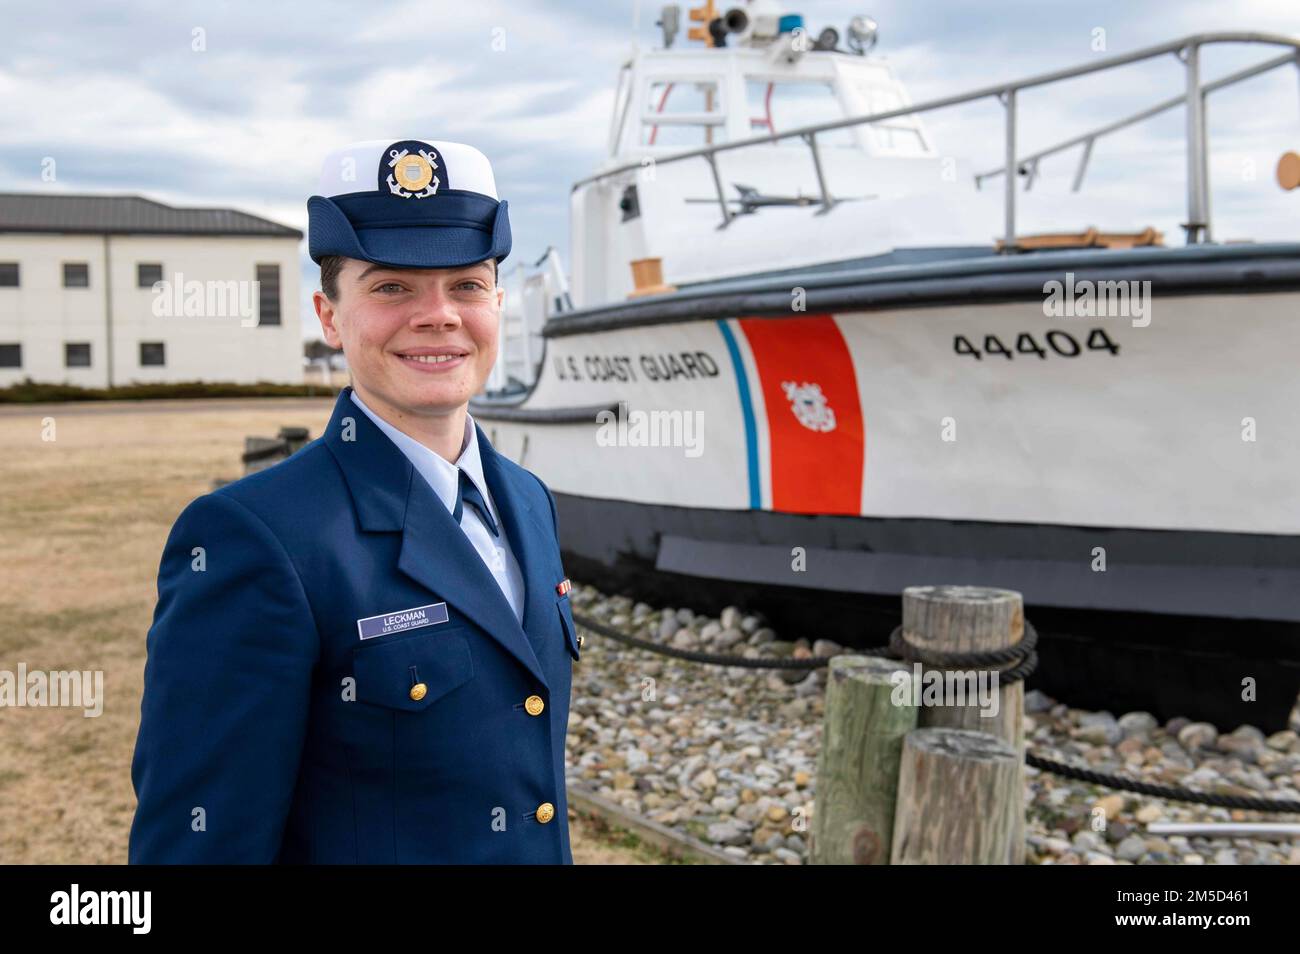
{"points": [[747, 409]]}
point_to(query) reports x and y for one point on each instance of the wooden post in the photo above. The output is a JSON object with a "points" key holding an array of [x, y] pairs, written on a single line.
{"points": [[970, 619], [261, 453], [959, 794], [857, 765], [295, 438]]}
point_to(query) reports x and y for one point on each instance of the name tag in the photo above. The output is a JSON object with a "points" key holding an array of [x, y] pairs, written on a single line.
{"points": [[401, 620]]}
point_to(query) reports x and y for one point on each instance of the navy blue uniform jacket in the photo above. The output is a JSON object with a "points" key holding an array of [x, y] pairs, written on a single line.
{"points": [[271, 732]]}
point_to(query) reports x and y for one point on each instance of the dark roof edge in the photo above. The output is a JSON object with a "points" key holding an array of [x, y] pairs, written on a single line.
{"points": [[268, 228], [277, 230]]}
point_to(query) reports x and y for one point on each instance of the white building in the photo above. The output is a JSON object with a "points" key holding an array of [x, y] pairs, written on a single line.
{"points": [[81, 303]]}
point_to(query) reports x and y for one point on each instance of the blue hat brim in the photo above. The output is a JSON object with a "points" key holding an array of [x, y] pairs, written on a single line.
{"points": [[415, 243]]}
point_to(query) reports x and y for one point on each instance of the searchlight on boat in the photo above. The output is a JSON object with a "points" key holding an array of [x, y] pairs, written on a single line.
{"points": [[760, 24]]}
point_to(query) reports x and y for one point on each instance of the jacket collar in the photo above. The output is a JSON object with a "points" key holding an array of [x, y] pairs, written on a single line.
{"points": [[438, 471], [389, 496], [377, 472]]}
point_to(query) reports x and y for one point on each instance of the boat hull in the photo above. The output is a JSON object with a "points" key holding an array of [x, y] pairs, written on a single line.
{"points": [[953, 424], [1175, 662]]}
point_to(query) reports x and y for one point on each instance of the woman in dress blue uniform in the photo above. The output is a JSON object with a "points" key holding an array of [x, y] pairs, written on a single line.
{"points": [[363, 654]]}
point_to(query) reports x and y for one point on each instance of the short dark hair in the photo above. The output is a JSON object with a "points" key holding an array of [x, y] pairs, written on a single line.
{"points": [[331, 265]]}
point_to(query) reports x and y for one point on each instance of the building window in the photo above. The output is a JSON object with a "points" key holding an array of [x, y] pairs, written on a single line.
{"points": [[268, 303], [146, 273], [8, 274], [76, 275], [76, 354], [11, 356], [152, 353]]}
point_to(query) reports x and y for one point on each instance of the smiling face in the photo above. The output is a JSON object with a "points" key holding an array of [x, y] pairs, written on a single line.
{"points": [[418, 341]]}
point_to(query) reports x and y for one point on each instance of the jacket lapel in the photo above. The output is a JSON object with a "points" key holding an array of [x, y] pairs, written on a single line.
{"points": [[528, 533], [390, 496]]}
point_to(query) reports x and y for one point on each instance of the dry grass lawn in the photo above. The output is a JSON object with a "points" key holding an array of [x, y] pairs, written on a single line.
{"points": [[83, 519]]}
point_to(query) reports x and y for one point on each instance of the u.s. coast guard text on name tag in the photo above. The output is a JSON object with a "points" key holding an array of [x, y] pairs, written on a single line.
{"points": [[401, 620]]}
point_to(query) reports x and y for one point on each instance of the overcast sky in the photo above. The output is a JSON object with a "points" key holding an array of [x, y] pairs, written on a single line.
{"points": [[118, 96]]}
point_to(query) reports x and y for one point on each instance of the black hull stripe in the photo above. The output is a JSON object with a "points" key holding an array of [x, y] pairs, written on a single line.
{"points": [[1191, 271], [1199, 573], [487, 411], [1240, 592]]}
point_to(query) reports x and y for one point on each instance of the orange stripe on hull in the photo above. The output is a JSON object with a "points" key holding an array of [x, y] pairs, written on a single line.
{"points": [[814, 414]]}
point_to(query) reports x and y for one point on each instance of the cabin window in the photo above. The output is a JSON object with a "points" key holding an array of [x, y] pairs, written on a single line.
{"points": [[682, 113], [778, 106], [677, 97], [900, 136]]}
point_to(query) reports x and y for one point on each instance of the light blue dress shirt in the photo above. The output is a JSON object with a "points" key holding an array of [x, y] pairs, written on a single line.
{"points": [[442, 476]]}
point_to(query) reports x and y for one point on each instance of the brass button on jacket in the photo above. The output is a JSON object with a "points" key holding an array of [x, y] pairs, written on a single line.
{"points": [[534, 705], [418, 690], [545, 812]]}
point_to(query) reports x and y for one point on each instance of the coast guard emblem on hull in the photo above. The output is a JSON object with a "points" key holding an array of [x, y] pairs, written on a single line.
{"points": [[414, 174], [809, 405]]}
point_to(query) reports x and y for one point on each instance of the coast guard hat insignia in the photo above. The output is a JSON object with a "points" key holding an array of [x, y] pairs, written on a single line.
{"points": [[363, 208], [412, 175]]}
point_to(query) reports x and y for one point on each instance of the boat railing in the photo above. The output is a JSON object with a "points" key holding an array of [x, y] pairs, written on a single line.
{"points": [[1188, 51]]}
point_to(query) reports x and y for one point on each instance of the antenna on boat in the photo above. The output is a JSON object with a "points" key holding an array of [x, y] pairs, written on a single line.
{"points": [[669, 22]]}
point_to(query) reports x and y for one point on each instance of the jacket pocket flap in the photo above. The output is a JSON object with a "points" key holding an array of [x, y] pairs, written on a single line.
{"points": [[412, 673], [566, 621]]}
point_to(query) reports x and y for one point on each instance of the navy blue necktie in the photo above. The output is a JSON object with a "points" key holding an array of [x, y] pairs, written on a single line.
{"points": [[468, 493]]}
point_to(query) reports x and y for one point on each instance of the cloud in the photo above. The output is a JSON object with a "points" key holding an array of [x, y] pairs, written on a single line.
{"points": [[124, 101]]}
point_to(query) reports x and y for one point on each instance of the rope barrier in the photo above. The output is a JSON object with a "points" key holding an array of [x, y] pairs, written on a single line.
{"points": [[898, 648], [1162, 791], [1022, 654]]}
